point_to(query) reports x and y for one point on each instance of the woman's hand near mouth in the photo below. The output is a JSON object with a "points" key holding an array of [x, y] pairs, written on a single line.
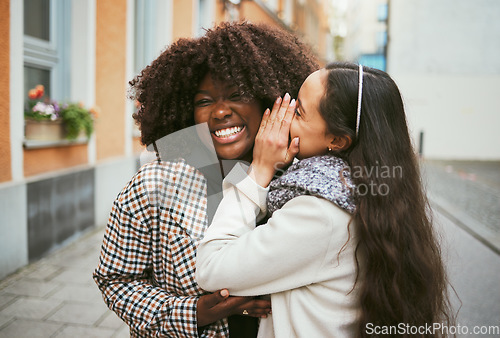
{"points": [[271, 151]]}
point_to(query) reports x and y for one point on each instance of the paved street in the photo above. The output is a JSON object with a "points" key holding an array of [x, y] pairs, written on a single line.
{"points": [[474, 272], [56, 296], [465, 196]]}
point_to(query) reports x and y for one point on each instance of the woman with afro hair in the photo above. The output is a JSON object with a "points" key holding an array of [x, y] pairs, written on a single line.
{"points": [[223, 81]]}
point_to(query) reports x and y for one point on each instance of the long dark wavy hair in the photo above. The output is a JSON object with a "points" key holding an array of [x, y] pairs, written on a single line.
{"points": [[262, 61], [401, 274]]}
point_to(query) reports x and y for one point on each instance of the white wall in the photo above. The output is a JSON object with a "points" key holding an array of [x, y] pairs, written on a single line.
{"points": [[16, 90], [83, 53], [444, 55], [110, 178], [13, 228]]}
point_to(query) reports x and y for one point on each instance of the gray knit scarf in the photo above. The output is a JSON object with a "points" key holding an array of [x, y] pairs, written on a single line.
{"points": [[324, 176]]}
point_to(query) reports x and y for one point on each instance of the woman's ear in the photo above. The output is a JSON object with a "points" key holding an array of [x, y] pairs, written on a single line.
{"points": [[340, 143]]}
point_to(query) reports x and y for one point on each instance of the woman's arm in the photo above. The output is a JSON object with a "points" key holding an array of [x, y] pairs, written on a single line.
{"points": [[287, 252], [124, 276]]}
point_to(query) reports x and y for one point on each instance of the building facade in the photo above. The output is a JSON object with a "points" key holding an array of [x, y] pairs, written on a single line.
{"points": [[86, 51], [443, 56], [365, 38]]}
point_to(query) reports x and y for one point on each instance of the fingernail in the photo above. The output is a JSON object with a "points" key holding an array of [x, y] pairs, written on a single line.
{"points": [[287, 96], [224, 293], [292, 103], [296, 140], [267, 111], [278, 100]]}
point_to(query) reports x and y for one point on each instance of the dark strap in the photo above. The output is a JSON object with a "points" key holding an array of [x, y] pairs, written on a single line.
{"points": [[157, 152], [243, 326]]}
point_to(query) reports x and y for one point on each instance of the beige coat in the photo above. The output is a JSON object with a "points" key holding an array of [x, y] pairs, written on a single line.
{"points": [[299, 256]]}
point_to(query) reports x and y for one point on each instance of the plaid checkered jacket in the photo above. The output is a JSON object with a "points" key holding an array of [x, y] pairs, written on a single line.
{"points": [[146, 271]]}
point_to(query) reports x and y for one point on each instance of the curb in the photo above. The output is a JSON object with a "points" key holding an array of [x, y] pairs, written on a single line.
{"points": [[476, 229]]}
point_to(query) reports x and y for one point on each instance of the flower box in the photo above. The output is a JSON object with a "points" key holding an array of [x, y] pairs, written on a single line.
{"points": [[48, 120], [44, 130]]}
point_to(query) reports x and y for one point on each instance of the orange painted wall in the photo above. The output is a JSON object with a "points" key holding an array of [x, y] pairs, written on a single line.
{"points": [[250, 11], [323, 29], [220, 13], [183, 22], [35, 160], [5, 156], [111, 86]]}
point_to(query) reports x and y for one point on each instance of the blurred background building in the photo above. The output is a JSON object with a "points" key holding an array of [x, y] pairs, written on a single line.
{"points": [[444, 57], [442, 54]]}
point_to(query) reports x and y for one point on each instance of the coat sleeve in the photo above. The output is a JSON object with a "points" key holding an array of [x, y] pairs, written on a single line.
{"points": [[285, 253], [125, 278]]}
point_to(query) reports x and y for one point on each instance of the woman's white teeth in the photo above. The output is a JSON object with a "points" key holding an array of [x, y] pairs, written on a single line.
{"points": [[227, 132]]}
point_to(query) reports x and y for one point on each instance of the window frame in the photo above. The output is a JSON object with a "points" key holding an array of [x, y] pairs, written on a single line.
{"points": [[144, 33], [53, 55]]}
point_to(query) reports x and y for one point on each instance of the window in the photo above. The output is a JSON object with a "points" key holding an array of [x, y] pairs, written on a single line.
{"points": [[288, 12], [383, 12], [37, 19], [144, 33], [373, 60], [273, 5], [34, 76], [381, 41], [46, 46], [204, 16]]}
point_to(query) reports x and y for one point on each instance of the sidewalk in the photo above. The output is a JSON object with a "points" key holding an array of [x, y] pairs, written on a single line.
{"points": [[56, 296]]}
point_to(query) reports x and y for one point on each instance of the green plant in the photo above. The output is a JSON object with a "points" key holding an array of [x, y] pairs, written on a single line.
{"points": [[76, 119]]}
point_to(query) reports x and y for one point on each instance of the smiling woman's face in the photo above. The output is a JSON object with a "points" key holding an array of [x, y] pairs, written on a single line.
{"points": [[232, 121]]}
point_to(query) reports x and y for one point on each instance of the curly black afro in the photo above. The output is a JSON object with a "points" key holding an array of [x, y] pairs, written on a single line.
{"points": [[262, 61]]}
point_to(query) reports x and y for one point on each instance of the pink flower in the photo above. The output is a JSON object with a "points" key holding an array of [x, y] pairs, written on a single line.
{"points": [[46, 109]]}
